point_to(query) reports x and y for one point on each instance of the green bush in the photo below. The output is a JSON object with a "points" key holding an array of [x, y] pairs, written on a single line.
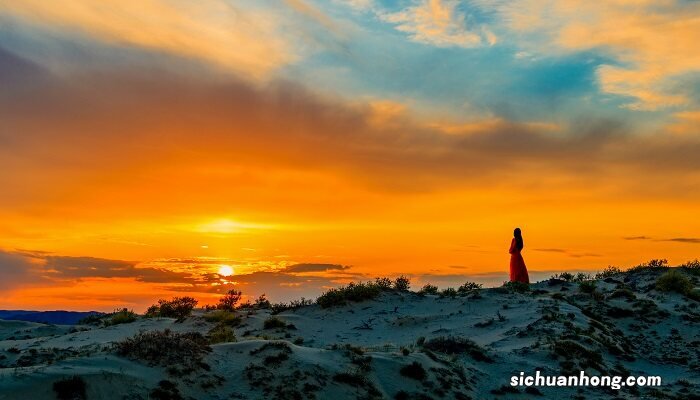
{"points": [[587, 286], [428, 289], [274, 323], [469, 287], [414, 370], [402, 284], [694, 294], [123, 316], [221, 334], [384, 283], [674, 281], [292, 305], [262, 302], [651, 264], [229, 300], [179, 308], [224, 317], [164, 348], [564, 276], [355, 292], [457, 345], [608, 272], [692, 266], [518, 287], [448, 292]]}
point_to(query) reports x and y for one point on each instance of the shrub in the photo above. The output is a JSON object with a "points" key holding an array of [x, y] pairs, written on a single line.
{"points": [[674, 281], [355, 292], [414, 370], [123, 316], [428, 289], [274, 323], [564, 276], [608, 272], [72, 388], [402, 284], [457, 345], [92, 319], [694, 294], [518, 287], [469, 287], [692, 266], [223, 317], [228, 301], [448, 292], [178, 308], [292, 305], [262, 302], [587, 286], [164, 347], [221, 334], [383, 283], [651, 264], [166, 390]]}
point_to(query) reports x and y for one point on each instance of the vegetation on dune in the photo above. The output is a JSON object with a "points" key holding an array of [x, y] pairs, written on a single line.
{"points": [[353, 292], [456, 345], [274, 323], [653, 264], [164, 347], [223, 317], [229, 300], [414, 370], [428, 289], [608, 272], [517, 287], [178, 308], [73, 388], [123, 316], [674, 281], [221, 334]]}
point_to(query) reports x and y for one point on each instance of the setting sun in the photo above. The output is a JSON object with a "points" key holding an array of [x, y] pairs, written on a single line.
{"points": [[225, 270]]}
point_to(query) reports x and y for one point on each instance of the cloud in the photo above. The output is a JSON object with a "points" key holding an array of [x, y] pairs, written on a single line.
{"points": [[651, 45], [307, 267], [439, 23], [637, 238], [568, 252], [247, 41], [683, 240]]}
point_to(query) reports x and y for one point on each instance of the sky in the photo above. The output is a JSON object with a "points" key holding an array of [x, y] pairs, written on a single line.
{"points": [[153, 148]]}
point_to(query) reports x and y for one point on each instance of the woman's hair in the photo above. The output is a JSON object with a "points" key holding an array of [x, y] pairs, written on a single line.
{"points": [[518, 238]]}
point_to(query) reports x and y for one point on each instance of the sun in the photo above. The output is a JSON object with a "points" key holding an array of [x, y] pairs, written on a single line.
{"points": [[225, 270]]}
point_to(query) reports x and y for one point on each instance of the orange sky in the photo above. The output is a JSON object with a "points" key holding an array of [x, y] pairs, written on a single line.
{"points": [[133, 164]]}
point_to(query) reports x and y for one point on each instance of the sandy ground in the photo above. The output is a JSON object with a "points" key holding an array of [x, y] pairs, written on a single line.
{"points": [[362, 350]]}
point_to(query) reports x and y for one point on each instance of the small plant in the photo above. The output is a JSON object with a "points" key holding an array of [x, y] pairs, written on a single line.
{"points": [[448, 292], [72, 388], [228, 301], [123, 316], [457, 345], [564, 276], [166, 390], [428, 289], [262, 302], [650, 265], [414, 370], [384, 283], [164, 347], [469, 287], [292, 305], [221, 334], [274, 323], [608, 272], [354, 292], [587, 286], [515, 286], [402, 284], [674, 281], [223, 317], [178, 308]]}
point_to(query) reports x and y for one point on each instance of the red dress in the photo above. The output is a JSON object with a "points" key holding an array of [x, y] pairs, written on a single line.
{"points": [[518, 271]]}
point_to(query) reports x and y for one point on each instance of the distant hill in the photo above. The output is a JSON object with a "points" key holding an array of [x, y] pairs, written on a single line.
{"points": [[47, 317]]}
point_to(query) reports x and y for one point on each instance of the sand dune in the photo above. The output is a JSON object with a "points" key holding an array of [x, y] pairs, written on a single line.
{"points": [[389, 347]]}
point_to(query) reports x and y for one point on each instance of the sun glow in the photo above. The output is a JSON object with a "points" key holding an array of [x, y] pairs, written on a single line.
{"points": [[225, 270]]}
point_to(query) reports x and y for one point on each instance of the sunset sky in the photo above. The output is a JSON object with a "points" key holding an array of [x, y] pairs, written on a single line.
{"points": [[146, 146]]}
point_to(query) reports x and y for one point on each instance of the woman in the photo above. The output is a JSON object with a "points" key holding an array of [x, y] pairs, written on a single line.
{"points": [[518, 271]]}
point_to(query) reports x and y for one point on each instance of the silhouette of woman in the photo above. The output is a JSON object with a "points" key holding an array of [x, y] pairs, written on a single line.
{"points": [[518, 271]]}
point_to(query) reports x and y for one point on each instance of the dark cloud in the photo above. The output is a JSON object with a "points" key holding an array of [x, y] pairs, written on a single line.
{"points": [[683, 240], [637, 238], [551, 250], [568, 253], [309, 267]]}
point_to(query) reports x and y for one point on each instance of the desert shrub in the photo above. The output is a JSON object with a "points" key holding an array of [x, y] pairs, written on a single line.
{"points": [[179, 308], [587, 286], [223, 317], [93, 319], [469, 287], [164, 347], [694, 294], [428, 289], [608, 272], [292, 305], [221, 334], [402, 283], [457, 345], [448, 292], [564, 276], [262, 302], [582, 277], [518, 287], [414, 370], [674, 281], [623, 292], [229, 300], [571, 350], [651, 264], [354, 292], [72, 388], [692, 266], [274, 323], [384, 283], [123, 316]]}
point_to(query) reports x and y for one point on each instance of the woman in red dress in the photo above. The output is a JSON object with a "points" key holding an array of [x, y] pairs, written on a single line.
{"points": [[518, 271]]}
